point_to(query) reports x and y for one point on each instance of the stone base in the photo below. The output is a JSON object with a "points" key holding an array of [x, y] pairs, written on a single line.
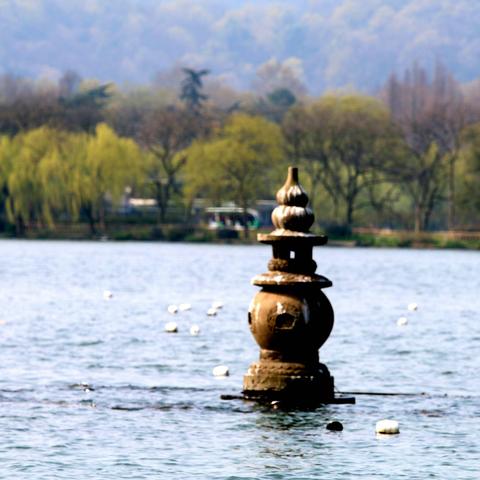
{"points": [[292, 382]]}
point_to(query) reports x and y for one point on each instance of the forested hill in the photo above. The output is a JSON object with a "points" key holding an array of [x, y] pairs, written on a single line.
{"points": [[317, 44]]}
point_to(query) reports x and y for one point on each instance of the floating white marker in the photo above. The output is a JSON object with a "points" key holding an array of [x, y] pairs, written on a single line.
{"points": [[184, 306], [402, 321], [171, 327], [412, 307], [217, 305], [221, 371], [107, 294], [211, 312], [172, 309], [389, 427], [194, 330]]}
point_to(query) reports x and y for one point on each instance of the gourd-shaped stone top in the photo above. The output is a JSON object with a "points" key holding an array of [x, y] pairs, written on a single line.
{"points": [[292, 212]]}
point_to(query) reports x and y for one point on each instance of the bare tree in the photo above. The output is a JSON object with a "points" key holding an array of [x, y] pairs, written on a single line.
{"points": [[24, 105], [69, 83], [341, 141], [166, 133], [431, 116]]}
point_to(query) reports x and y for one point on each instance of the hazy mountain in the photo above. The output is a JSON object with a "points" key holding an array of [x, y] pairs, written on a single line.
{"points": [[322, 43]]}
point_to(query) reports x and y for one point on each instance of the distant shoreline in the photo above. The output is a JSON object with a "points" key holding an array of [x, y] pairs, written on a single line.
{"points": [[193, 234]]}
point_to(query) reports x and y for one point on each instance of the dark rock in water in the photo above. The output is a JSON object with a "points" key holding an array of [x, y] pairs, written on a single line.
{"points": [[231, 397], [335, 426]]}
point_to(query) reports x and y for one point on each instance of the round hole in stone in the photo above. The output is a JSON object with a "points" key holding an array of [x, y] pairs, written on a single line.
{"points": [[284, 321]]}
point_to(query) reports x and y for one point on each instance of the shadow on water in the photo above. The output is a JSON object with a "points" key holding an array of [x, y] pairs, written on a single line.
{"points": [[282, 420]]}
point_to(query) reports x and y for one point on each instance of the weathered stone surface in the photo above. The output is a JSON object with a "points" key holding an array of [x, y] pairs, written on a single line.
{"points": [[290, 317], [291, 323], [286, 278]]}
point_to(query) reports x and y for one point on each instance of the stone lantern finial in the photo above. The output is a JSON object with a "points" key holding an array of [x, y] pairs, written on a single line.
{"points": [[292, 212]]}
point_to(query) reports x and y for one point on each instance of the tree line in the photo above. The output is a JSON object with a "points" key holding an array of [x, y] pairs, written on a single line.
{"points": [[407, 158]]}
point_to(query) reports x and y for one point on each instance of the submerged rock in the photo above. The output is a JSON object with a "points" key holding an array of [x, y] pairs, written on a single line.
{"points": [[335, 426]]}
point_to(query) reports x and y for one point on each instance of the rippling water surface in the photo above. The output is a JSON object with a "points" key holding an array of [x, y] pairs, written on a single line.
{"points": [[94, 388]]}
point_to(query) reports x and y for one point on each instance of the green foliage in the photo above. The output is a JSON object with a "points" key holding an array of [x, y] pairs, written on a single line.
{"points": [[94, 97], [45, 173], [84, 109], [110, 164], [423, 176], [60, 163], [31, 196], [282, 97], [341, 141], [469, 174], [191, 92], [166, 133], [7, 153], [238, 163]]}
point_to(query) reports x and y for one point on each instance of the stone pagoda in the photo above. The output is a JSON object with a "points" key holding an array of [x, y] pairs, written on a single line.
{"points": [[291, 318]]}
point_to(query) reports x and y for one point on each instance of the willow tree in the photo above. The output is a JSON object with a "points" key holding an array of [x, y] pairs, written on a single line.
{"points": [[110, 164], [25, 190], [7, 153], [46, 174], [57, 174], [36, 169], [237, 163]]}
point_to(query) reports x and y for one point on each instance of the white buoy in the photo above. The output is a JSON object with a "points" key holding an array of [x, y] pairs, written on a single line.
{"points": [[388, 427], [412, 306], [194, 330], [107, 294], [221, 371], [217, 305], [184, 306], [171, 327], [172, 309], [402, 321], [211, 312]]}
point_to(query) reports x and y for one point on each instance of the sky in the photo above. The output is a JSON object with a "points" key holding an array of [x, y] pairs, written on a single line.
{"points": [[324, 44]]}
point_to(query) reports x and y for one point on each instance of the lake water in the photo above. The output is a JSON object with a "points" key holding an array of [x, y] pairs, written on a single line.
{"points": [[94, 388]]}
